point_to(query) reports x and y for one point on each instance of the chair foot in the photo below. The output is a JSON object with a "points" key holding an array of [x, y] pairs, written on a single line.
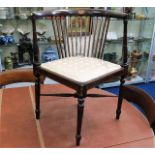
{"points": [[37, 114], [120, 99], [37, 96], [119, 107], [118, 114], [80, 108], [78, 138]]}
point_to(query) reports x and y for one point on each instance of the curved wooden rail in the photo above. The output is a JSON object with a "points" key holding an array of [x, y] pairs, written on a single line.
{"points": [[143, 100], [17, 75]]}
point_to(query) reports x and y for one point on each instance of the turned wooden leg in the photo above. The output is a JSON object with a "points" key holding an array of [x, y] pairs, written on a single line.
{"points": [[120, 99], [80, 108], [37, 97]]}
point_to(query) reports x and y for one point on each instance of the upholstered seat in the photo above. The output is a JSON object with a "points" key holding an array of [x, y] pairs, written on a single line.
{"points": [[81, 69]]}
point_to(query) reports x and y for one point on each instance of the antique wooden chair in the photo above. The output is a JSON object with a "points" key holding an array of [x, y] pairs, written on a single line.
{"points": [[80, 37]]}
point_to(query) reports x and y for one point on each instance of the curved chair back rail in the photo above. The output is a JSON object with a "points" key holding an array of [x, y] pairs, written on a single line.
{"points": [[81, 12], [80, 32], [17, 75], [142, 99]]}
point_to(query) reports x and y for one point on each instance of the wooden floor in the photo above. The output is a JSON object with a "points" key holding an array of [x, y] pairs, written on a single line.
{"points": [[57, 126]]}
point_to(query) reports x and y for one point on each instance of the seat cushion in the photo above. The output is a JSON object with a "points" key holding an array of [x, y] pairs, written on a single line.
{"points": [[80, 69]]}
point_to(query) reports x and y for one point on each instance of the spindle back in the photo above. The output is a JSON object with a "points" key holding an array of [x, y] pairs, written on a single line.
{"points": [[79, 32]]}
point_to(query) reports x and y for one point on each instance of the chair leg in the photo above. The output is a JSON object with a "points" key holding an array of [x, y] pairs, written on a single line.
{"points": [[120, 99], [37, 96], [80, 108]]}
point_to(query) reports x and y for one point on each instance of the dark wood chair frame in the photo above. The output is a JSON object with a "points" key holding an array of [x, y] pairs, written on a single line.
{"points": [[81, 89]]}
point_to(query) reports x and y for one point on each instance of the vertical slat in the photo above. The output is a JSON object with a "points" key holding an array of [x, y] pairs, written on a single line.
{"points": [[89, 41], [102, 41], [66, 41], [105, 31], [71, 36], [55, 35], [94, 36], [76, 42], [98, 38], [63, 37], [85, 33], [59, 36], [80, 41]]}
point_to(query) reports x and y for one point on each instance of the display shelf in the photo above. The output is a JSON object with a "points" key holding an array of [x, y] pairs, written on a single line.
{"points": [[19, 67], [140, 38], [141, 19], [138, 60], [15, 18], [135, 19], [17, 43], [8, 45], [130, 40]]}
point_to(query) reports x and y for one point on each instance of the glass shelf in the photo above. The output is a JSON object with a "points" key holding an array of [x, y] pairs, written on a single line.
{"points": [[15, 18], [130, 40], [16, 44], [9, 45], [134, 19]]}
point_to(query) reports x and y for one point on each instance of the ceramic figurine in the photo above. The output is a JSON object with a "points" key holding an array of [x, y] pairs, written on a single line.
{"points": [[14, 58], [49, 54], [8, 29], [8, 63], [133, 71], [41, 31], [135, 54], [134, 58], [7, 35], [25, 52]]}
